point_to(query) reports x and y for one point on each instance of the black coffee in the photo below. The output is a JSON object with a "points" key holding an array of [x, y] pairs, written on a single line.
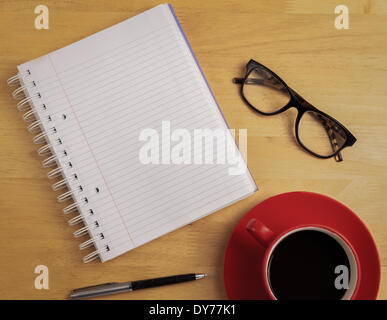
{"points": [[303, 264]]}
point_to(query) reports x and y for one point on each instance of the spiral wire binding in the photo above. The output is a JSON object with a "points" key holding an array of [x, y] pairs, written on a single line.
{"points": [[75, 220], [59, 185], [14, 81], [49, 162], [70, 208], [29, 116], [18, 93], [45, 150], [81, 232], [65, 196], [40, 138], [24, 104], [86, 244], [54, 173], [36, 127], [92, 256]]}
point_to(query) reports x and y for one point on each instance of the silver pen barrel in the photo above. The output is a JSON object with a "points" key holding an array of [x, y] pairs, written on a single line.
{"points": [[101, 290]]}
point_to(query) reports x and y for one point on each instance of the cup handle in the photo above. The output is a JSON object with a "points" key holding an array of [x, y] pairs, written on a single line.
{"points": [[260, 232]]}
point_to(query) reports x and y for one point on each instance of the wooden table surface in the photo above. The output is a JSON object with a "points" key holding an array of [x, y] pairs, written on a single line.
{"points": [[343, 72]]}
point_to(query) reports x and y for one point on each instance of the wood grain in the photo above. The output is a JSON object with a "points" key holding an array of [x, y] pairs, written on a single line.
{"points": [[343, 72]]}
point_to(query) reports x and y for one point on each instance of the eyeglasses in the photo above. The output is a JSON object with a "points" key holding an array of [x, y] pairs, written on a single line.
{"points": [[316, 132]]}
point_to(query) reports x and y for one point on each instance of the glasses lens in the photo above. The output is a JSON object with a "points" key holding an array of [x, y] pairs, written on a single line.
{"points": [[320, 134], [264, 91]]}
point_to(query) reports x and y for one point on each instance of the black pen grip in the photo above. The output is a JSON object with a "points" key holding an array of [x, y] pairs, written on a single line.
{"points": [[143, 284]]}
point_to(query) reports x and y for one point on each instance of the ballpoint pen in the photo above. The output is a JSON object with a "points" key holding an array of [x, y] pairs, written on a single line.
{"points": [[116, 287]]}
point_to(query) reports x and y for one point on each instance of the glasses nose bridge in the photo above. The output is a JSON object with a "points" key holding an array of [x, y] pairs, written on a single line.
{"points": [[300, 103]]}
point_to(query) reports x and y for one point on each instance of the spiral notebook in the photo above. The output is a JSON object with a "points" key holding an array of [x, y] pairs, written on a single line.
{"points": [[88, 103]]}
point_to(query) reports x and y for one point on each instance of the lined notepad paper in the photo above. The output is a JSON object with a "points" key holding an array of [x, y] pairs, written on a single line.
{"points": [[94, 97]]}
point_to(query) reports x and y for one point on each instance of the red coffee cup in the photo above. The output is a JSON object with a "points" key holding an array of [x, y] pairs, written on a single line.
{"points": [[270, 240]]}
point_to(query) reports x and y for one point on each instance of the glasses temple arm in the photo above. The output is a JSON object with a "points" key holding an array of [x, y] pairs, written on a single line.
{"points": [[332, 137], [261, 82]]}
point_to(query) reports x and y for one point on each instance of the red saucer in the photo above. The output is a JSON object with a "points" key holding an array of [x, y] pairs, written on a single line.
{"points": [[243, 256]]}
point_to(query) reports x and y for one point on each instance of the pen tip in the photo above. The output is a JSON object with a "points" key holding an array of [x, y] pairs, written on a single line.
{"points": [[200, 275]]}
